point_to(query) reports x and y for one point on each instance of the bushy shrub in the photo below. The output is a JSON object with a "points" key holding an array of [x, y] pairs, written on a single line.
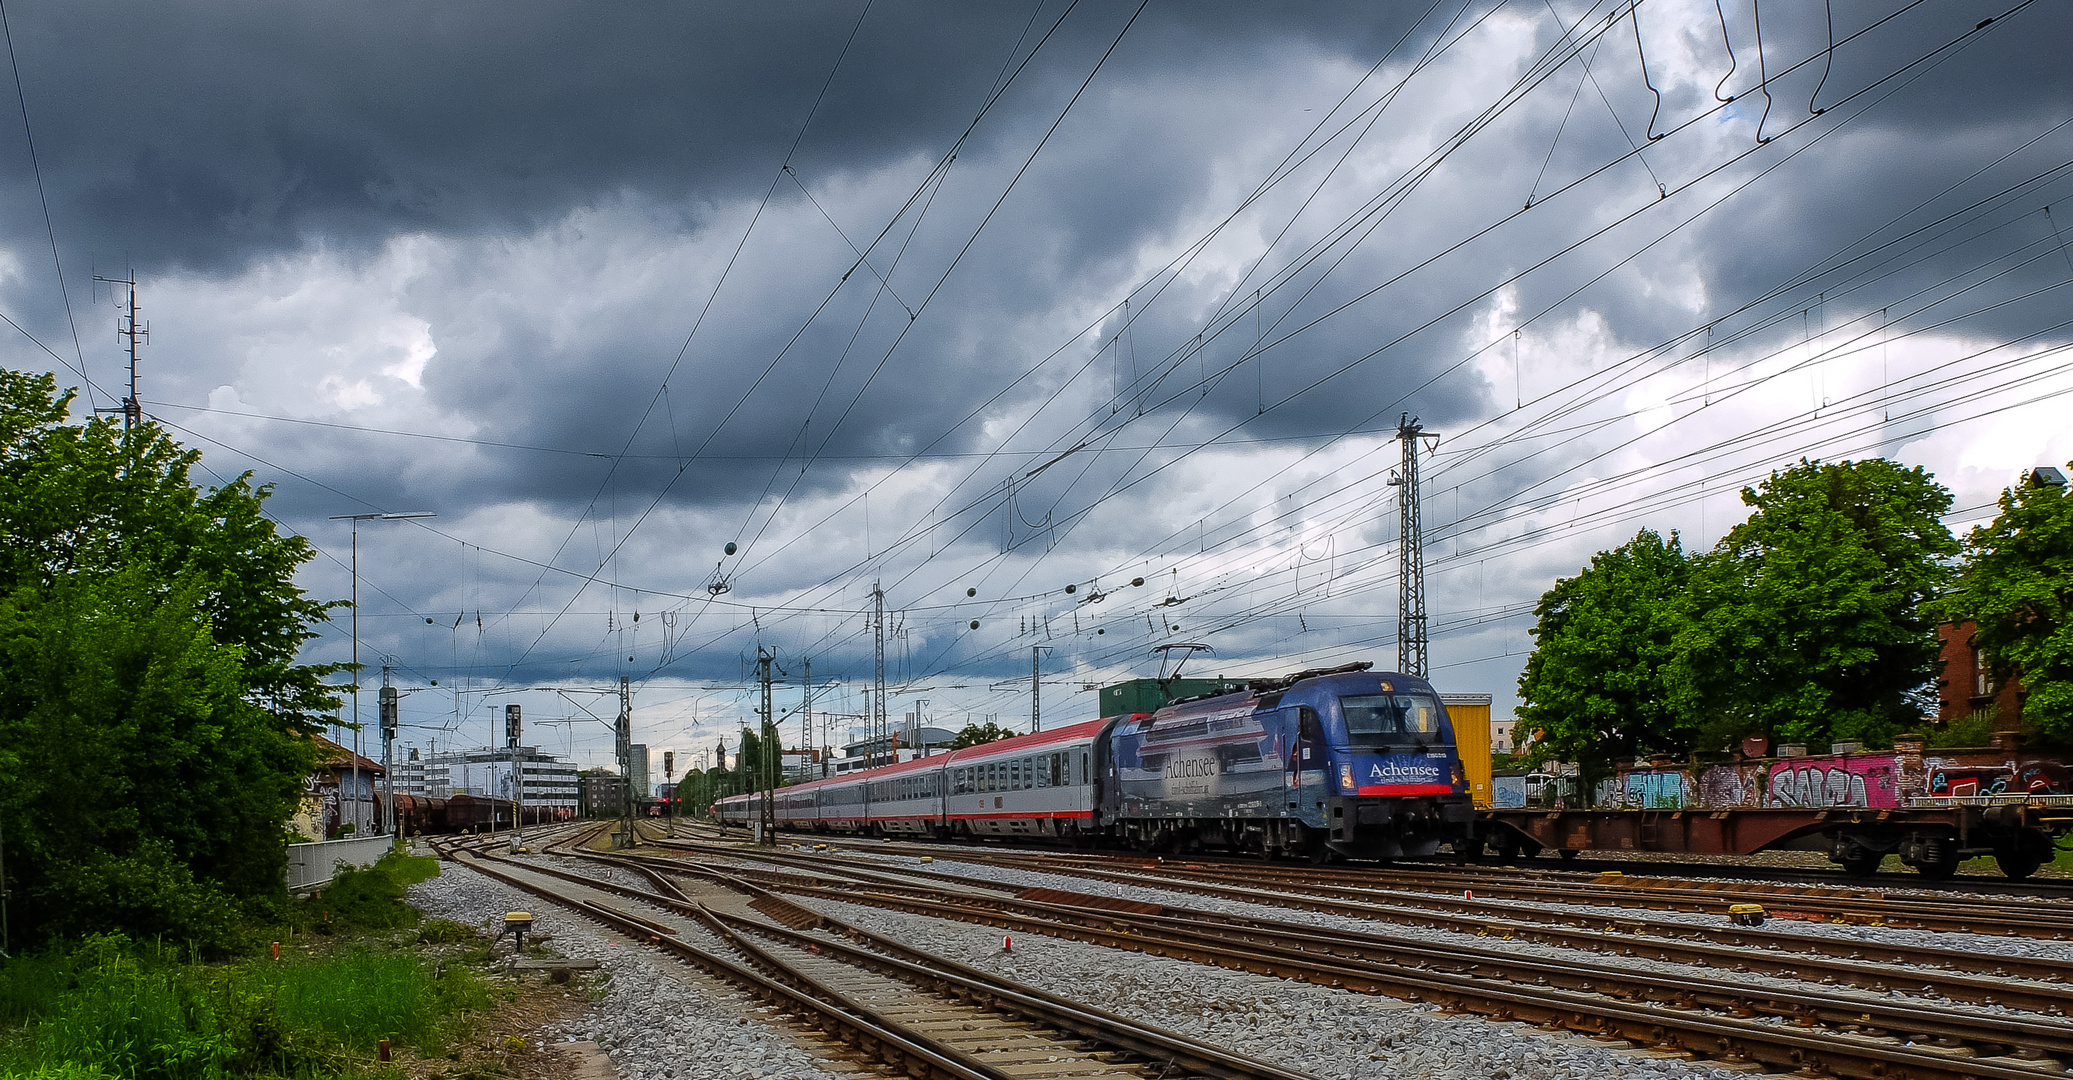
{"points": [[372, 897], [446, 932], [114, 1010]]}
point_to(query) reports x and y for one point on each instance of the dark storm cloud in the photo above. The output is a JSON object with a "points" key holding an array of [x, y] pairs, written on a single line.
{"points": [[201, 134], [503, 223]]}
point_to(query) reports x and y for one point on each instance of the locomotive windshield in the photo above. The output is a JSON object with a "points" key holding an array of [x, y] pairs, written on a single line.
{"points": [[1371, 717]]}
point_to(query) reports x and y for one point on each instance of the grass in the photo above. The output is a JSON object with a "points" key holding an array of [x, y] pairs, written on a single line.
{"points": [[115, 1009]]}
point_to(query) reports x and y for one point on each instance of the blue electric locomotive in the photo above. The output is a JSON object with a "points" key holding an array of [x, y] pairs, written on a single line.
{"points": [[1337, 762], [1331, 763]]}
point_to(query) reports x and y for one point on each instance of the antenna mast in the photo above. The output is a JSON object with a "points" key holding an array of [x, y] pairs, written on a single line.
{"points": [[126, 326], [1411, 642]]}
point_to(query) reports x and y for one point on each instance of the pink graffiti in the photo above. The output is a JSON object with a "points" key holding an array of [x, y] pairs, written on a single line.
{"points": [[1832, 782]]}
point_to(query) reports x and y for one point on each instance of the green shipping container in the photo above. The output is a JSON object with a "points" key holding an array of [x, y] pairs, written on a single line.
{"points": [[1147, 695]]}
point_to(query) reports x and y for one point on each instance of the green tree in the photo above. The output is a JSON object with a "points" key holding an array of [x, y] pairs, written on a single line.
{"points": [[145, 789], [2017, 586], [748, 754], [1809, 622], [1593, 690], [979, 735], [152, 712], [92, 499]]}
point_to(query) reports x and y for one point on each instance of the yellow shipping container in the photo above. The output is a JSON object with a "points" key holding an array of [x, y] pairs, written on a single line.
{"points": [[1471, 716]]}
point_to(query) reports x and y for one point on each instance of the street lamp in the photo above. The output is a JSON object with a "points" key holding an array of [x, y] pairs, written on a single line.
{"points": [[388, 767]]}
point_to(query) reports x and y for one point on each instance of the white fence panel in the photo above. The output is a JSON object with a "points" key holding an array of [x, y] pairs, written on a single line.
{"points": [[315, 864]]}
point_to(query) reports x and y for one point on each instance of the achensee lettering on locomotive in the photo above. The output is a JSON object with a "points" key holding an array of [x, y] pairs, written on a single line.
{"points": [[1338, 762]]}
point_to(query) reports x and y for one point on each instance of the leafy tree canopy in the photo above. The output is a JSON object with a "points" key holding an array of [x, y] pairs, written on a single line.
{"points": [[1809, 621], [152, 712], [1593, 689], [2018, 587], [979, 735]]}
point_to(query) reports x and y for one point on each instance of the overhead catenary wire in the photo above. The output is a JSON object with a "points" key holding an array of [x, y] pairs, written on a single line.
{"points": [[1131, 445]]}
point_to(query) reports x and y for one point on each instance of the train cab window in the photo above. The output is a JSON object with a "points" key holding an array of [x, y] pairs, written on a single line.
{"points": [[1372, 716]]}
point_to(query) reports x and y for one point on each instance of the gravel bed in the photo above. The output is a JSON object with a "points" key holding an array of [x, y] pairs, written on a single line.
{"points": [[1328, 1033], [655, 1019], [1984, 944], [1451, 938], [660, 1022]]}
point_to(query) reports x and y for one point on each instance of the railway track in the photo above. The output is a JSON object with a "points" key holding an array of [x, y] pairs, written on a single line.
{"points": [[889, 1005], [1429, 886], [1821, 1030], [1985, 883], [1960, 974]]}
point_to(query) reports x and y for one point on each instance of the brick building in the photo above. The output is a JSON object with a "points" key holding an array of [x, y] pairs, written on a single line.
{"points": [[1967, 687]]}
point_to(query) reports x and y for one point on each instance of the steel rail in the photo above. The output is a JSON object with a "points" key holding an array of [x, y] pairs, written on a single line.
{"points": [[1678, 1026], [1861, 963], [912, 965], [1949, 914], [870, 1037], [1982, 909], [1298, 944], [918, 965]]}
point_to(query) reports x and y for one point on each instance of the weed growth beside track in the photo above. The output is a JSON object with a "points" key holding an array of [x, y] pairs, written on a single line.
{"points": [[351, 973]]}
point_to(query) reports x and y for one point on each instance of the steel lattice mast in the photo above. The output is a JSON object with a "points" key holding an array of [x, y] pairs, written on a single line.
{"points": [[1411, 641], [877, 721]]}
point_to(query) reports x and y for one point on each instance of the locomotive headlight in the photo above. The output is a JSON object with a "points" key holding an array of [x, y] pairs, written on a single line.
{"points": [[1346, 775]]}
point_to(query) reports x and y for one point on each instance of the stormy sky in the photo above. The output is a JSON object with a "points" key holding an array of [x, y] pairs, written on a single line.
{"points": [[981, 302]]}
